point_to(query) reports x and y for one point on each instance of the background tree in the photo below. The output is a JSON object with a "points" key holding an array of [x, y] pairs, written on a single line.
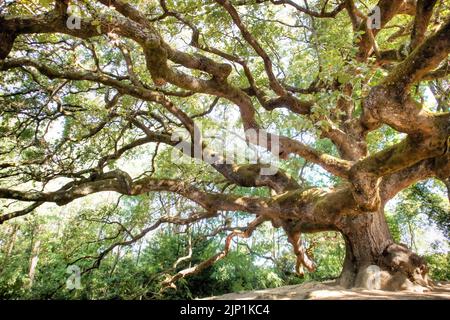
{"points": [[339, 93]]}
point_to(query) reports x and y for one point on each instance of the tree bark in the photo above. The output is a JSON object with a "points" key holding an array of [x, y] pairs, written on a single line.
{"points": [[33, 263], [374, 261], [9, 247]]}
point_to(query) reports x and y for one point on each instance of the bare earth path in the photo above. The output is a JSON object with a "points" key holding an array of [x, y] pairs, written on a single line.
{"points": [[329, 291]]}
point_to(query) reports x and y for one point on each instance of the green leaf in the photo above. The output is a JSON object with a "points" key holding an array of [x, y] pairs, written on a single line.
{"points": [[46, 3]]}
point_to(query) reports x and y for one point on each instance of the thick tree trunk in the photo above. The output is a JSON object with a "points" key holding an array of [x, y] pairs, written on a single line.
{"points": [[366, 237], [374, 261]]}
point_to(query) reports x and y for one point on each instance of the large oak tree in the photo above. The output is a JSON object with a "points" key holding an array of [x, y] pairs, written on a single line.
{"points": [[120, 76]]}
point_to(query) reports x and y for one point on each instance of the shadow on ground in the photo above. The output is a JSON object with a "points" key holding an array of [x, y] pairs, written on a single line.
{"points": [[331, 291]]}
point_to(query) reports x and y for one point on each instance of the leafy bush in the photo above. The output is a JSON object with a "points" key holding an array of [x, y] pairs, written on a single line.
{"points": [[439, 265]]}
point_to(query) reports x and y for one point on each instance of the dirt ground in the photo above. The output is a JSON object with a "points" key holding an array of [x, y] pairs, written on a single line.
{"points": [[330, 291]]}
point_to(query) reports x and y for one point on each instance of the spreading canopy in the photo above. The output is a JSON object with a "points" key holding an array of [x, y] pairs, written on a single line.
{"points": [[86, 84]]}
